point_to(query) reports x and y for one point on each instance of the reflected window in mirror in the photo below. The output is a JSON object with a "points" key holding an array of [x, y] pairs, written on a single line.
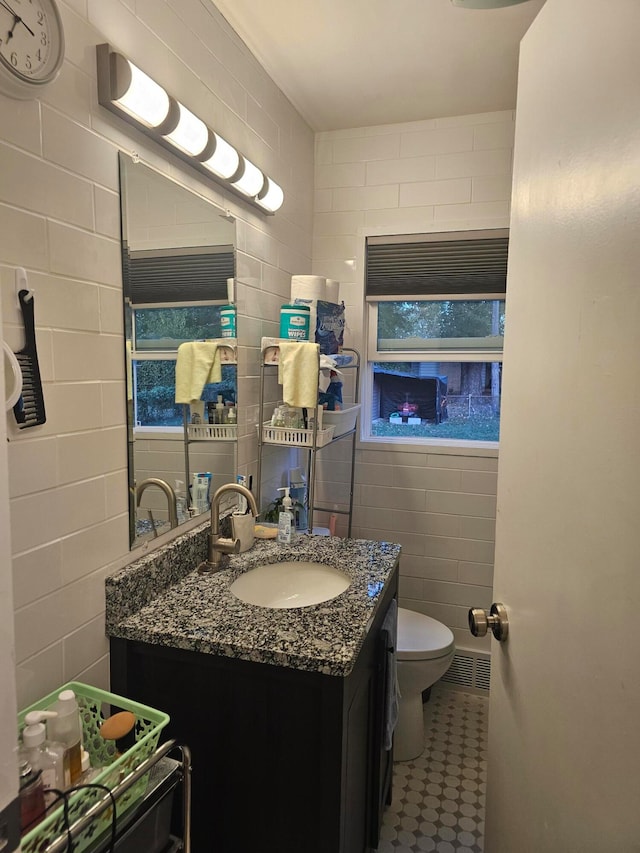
{"points": [[156, 333]]}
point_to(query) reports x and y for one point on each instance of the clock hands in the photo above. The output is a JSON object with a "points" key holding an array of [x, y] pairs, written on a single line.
{"points": [[16, 20], [10, 33]]}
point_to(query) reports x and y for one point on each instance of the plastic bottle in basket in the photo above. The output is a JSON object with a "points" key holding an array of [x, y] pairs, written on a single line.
{"points": [[46, 756], [32, 805], [65, 728]]}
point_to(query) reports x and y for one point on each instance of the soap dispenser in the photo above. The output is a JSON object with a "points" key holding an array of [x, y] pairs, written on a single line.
{"points": [[220, 412], [286, 524], [46, 756], [182, 510]]}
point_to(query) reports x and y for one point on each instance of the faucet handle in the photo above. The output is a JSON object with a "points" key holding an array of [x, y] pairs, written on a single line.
{"points": [[227, 546], [219, 547]]}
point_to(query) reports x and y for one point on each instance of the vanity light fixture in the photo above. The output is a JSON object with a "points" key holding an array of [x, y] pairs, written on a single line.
{"points": [[127, 91]]}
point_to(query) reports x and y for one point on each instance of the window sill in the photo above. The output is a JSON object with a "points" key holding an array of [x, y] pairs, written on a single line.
{"points": [[165, 433], [443, 446]]}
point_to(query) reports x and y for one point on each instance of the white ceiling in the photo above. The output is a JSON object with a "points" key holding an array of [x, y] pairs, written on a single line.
{"points": [[357, 63]]}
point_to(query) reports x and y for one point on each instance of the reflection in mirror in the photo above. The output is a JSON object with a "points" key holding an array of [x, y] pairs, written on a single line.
{"points": [[178, 268]]}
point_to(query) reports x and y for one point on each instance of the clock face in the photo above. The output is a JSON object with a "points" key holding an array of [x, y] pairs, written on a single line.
{"points": [[31, 44]]}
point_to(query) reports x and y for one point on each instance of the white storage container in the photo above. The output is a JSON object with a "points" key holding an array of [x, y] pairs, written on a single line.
{"points": [[343, 420], [212, 432], [296, 437]]}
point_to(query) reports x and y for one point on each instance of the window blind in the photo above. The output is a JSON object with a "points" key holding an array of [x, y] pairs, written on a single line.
{"points": [[194, 274], [437, 264]]}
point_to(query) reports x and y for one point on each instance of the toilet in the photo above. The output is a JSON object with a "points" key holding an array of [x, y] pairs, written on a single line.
{"points": [[424, 652]]}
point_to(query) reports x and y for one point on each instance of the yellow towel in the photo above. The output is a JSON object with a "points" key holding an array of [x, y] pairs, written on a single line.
{"points": [[198, 363], [298, 373]]}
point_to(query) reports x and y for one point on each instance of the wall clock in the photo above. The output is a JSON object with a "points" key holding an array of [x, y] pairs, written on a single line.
{"points": [[31, 46]]}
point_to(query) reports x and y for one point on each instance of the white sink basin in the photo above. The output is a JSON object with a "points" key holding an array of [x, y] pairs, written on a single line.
{"points": [[285, 585]]}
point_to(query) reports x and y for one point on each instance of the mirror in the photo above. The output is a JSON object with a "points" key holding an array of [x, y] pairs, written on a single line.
{"points": [[178, 270]]}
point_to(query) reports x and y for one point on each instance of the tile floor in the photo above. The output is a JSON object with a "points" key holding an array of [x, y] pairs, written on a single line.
{"points": [[438, 798]]}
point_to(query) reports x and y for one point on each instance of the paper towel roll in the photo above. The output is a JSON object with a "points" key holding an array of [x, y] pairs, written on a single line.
{"points": [[333, 290], [307, 289]]}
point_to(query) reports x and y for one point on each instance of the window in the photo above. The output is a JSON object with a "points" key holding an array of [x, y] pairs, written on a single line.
{"points": [[436, 316], [172, 296]]}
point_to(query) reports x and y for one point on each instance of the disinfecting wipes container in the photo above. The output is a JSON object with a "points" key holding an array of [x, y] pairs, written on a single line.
{"points": [[228, 321], [294, 322]]}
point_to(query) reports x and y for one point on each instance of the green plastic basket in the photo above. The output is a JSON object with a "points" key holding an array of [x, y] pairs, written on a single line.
{"points": [[95, 706]]}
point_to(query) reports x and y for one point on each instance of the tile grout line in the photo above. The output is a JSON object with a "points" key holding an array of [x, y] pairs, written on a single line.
{"points": [[439, 797]]}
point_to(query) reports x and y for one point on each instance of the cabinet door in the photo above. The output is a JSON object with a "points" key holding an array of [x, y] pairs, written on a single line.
{"points": [[265, 743], [368, 765], [381, 758], [357, 780]]}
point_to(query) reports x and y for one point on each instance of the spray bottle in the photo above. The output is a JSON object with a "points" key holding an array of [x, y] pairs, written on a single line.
{"points": [[286, 524]]}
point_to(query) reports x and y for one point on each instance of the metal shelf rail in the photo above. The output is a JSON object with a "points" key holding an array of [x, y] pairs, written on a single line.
{"points": [[60, 844], [313, 449]]}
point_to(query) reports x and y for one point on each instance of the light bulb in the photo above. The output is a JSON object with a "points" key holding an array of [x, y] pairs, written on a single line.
{"points": [[144, 99], [225, 159], [251, 180], [190, 134], [271, 197]]}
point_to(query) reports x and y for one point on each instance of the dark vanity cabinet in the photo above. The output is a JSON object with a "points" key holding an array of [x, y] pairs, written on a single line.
{"points": [[284, 760]]}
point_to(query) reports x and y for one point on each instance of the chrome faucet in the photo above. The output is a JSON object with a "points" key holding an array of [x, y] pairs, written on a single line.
{"points": [[218, 546], [166, 488]]}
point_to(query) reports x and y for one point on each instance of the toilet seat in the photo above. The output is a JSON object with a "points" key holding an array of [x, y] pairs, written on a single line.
{"points": [[422, 638]]}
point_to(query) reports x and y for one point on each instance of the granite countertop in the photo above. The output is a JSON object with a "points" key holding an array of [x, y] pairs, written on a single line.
{"points": [[162, 600]]}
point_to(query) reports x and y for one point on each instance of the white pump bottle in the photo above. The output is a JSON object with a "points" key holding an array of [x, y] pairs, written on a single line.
{"points": [[65, 727], [286, 523], [46, 756]]}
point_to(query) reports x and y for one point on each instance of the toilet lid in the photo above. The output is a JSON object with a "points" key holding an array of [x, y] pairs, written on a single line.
{"points": [[422, 638]]}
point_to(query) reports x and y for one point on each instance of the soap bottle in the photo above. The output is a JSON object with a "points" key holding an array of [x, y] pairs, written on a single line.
{"points": [[220, 413], [232, 416], [65, 728], [46, 756], [32, 804], [286, 524], [182, 510], [298, 492]]}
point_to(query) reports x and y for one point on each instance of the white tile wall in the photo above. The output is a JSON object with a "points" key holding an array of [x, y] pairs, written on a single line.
{"points": [[59, 217], [437, 175]]}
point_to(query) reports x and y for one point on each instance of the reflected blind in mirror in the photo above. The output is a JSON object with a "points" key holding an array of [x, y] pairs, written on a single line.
{"points": [[193, 274]]}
